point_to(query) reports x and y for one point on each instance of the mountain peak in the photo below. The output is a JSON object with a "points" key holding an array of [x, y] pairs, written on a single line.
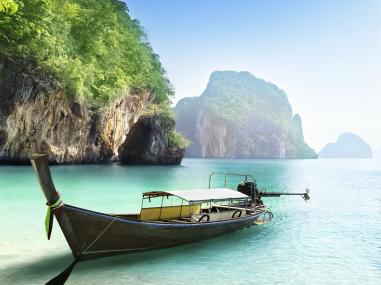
{"points": [[235, 86], [230, 73], [241, 116], [350, 137]]}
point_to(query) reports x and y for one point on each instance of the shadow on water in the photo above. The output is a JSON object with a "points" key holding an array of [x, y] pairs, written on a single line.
{"points": [[43, 269], [32, 272], [215, 246]]}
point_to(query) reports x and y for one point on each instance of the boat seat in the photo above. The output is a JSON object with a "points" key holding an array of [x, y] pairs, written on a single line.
{"points": [[230, 207]]}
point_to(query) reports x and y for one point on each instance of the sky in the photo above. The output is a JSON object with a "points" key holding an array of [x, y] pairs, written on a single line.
{"points": [[326, 55]]}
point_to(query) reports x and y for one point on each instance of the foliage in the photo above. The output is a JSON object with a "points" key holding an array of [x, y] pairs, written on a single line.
{"points": [[93, 47], [240, 95], [8, 6], [163, 110], [166, 117], [176, 139]]}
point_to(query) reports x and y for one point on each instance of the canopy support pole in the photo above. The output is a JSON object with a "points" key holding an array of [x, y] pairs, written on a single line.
{"points": [[161, 207]]}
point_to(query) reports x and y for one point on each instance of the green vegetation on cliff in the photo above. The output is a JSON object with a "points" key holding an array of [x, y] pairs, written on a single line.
{"points": [[94, 50], [8, 6], [240, 95], [166, 117]]}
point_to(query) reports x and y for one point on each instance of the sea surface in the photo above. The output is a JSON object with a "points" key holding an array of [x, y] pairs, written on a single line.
{"points": [[335, 238]]}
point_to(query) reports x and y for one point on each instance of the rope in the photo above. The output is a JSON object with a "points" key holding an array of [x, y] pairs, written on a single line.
{"points": [[100, 235], [48, 218]]}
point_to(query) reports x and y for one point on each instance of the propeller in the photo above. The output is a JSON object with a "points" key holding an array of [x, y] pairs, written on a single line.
{"points": [[306, 195]]}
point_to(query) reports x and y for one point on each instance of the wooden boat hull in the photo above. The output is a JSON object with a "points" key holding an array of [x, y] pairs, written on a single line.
{"points": [[92, 235]]}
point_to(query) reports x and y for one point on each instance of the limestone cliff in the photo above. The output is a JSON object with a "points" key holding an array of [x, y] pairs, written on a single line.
{"points": [[149, 142], [75, 76], [36, 115], [241, 116]]}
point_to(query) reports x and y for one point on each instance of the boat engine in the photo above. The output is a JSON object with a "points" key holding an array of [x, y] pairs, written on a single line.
{"points": [[250, 189]]}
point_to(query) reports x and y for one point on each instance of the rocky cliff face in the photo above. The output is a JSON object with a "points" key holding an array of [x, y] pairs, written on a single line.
{"points": [[37, 116], [148, 142], [241, 116], [212, 136]]}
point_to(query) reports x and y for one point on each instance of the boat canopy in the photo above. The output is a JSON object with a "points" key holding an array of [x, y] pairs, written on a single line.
{"points": [[200, 195]]}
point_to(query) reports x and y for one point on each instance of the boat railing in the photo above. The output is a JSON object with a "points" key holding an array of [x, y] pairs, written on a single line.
{"points": [[247, 177]]}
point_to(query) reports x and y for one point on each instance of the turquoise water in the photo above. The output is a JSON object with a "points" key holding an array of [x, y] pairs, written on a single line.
{"points": [[335, 238]]}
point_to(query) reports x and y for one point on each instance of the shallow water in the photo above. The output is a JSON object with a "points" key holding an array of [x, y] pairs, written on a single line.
{"points": [[335, 238]]}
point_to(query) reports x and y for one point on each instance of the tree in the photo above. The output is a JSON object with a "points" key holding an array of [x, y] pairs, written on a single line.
{"points": [[95, 51], [8, 6]]}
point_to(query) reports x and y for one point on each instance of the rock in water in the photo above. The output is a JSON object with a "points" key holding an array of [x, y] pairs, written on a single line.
{"points": [[348, 145], [241, 116], [148, 142]]}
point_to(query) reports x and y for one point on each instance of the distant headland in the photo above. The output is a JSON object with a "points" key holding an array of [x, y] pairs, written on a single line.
{"points": [[348, 145]]}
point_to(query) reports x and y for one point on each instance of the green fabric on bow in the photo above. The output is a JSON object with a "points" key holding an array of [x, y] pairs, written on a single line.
{"points": [[48, 218]]}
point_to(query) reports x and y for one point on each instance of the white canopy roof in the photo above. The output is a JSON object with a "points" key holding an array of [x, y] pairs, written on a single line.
{"points": [[203, 195]]}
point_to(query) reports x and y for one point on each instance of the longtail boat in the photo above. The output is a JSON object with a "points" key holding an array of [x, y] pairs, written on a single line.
{"points": [[166, 218]]}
